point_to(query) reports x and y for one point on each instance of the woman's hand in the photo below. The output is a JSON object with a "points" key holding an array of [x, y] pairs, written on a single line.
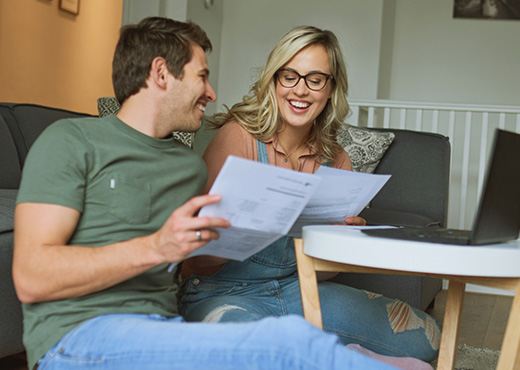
{"points": [[355, 221]]}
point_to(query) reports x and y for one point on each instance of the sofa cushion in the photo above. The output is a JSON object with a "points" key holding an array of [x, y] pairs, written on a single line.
{"points": [[7, 203], [9, 162], [110, 105], [11, 319], [365, 147], [417, 291]]}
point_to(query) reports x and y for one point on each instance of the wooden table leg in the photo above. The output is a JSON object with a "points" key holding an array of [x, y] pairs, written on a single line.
{"points": [[450, 326], [509, 356], [308, 285]]}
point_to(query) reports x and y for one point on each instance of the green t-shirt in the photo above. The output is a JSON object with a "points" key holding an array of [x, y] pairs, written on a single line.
{"points": [[125, 184]]}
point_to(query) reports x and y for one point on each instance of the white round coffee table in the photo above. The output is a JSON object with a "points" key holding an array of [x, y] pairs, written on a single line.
{"points": [[346, 249]]}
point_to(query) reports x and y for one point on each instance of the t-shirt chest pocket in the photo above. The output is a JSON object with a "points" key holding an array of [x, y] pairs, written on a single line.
{"points": [[129, 199]]}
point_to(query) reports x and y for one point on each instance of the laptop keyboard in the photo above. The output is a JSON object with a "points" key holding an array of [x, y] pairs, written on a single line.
{"points": [[429, 235]]}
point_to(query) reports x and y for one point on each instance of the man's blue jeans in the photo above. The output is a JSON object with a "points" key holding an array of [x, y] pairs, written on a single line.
{"points": [[131, 341]]}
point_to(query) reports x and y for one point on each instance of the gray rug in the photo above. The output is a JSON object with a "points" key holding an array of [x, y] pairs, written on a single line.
{"points": [[470, 358]]}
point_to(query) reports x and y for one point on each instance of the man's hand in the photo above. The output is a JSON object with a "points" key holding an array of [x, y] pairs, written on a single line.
{"points": [[183, 233]]}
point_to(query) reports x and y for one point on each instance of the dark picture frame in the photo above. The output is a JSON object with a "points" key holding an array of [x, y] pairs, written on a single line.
{"points": [[71, 6], [487, 9]]}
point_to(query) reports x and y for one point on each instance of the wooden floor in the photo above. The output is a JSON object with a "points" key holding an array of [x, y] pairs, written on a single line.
{"points": [[483, 323], [484, 318]]}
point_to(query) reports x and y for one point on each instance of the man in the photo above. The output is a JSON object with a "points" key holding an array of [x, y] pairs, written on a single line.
{"points": [[106, 204]]}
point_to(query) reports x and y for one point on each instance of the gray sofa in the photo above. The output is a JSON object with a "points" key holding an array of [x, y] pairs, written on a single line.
{"points": [[20, 125], [415, 195]]}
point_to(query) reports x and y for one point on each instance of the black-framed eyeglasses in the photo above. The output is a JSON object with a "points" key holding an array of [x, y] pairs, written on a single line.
{"points": [[315, 81]]}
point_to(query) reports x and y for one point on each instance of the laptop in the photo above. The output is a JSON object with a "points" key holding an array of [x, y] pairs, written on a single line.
{"points": [[498, 215]]}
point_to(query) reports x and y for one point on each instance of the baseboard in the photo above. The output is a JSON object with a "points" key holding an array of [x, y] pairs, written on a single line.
{"points": [[472, 288]]}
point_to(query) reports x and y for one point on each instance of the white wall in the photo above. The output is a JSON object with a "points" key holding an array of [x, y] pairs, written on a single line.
{"points": [[251, 28], [443, 59], [210, 19], [395, 49], [135, 10]]}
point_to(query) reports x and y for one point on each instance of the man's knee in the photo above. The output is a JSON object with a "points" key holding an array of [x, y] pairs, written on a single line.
{"points": [[296, 327]]}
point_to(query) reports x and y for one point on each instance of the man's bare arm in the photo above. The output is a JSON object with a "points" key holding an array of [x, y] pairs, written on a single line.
{"points": [[46, 268]]}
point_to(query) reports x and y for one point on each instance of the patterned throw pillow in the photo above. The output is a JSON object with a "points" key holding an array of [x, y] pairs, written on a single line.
{"points": [[107, 105], [110, 105], [365, 147]]}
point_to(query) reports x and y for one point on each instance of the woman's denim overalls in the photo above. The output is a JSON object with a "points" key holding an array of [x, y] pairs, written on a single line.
{"points": [[266, 284]]}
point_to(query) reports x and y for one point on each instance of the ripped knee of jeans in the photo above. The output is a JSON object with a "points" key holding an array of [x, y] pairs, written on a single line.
{"points": [[402, 318], [216, 314]]}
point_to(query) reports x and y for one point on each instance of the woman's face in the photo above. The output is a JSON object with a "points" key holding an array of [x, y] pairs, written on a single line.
{"points": [[299, 106]]}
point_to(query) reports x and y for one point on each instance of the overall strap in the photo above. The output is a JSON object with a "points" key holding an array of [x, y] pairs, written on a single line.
{"points": [[262, 152], [325, 162]]}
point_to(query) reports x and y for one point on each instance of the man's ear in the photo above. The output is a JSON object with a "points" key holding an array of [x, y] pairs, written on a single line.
{"points": [[159, 72]]}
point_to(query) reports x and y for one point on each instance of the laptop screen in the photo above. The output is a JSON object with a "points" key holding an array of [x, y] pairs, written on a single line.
{"points": [[498, 216]]}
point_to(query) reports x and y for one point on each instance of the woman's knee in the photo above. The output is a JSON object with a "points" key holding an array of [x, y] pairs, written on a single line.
{"points": [[231, 313]]}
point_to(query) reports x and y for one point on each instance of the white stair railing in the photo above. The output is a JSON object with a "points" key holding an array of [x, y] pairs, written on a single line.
{"points": [[470, 130]]}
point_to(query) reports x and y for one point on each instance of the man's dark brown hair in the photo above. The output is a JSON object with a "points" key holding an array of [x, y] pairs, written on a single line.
{"points": [[153, 37]]}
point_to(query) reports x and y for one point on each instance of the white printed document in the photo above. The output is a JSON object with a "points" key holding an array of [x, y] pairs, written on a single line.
{"points": [[264, 202], [260, 201], [340, 194]]}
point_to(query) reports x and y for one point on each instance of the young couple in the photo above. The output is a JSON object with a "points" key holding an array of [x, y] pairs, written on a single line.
{"points": [[106, 204]]}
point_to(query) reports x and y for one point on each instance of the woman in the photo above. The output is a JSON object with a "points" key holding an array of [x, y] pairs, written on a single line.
{"points": [[290, 119]]}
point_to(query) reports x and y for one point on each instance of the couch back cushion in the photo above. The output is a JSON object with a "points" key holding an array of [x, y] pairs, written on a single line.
{"points": [[27, 121], [419, 163]]}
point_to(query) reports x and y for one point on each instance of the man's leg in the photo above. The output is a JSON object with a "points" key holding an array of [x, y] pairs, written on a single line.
{"points": [[126, 341]]}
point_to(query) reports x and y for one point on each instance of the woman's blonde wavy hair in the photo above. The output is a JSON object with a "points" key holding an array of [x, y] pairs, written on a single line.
{"points": [[258, 112]]}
